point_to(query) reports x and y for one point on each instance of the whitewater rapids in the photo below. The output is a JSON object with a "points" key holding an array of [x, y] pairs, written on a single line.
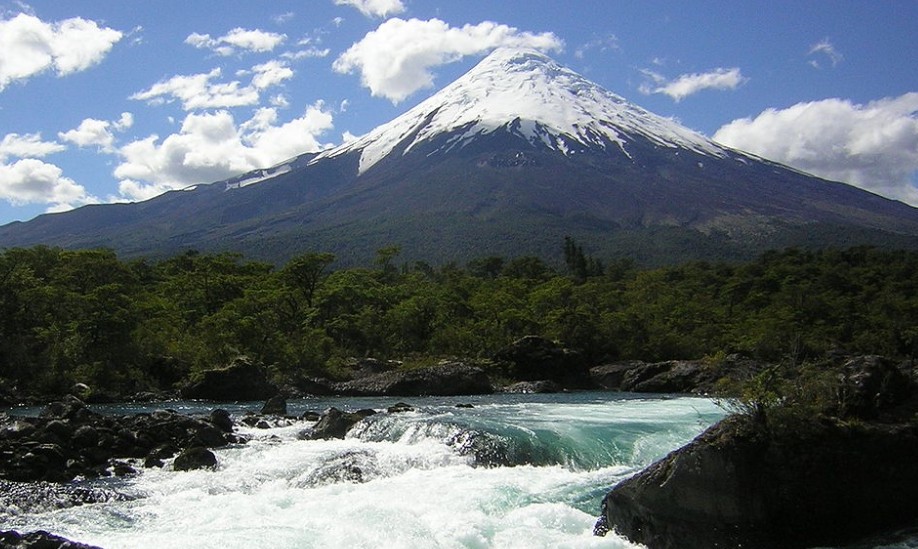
{"points": [[514, 471]]}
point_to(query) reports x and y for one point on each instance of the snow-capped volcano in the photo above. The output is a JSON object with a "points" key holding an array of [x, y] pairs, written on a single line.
{"points": [[506, 161], [532, 96]]}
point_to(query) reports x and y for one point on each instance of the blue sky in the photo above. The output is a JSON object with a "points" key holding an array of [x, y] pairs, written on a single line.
{"points": [[104, 101]]}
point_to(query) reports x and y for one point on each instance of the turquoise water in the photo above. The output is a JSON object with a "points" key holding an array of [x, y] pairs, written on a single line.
{"points": [[525, 471]]}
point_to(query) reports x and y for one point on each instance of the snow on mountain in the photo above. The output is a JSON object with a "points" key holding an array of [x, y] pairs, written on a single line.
{"points": [[532, 96]]}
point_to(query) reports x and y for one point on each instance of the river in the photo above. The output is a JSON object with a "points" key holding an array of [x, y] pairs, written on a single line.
{"points": [[526, 471]]}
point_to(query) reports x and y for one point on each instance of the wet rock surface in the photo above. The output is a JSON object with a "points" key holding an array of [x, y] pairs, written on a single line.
{"points": [[671, 376], [447, 379], [335, 424], [791, 478], [36, 497], [40, 539], [68, 440]]}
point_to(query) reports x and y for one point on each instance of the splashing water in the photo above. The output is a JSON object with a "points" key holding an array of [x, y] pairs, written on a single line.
{"points": [[523, 471]]}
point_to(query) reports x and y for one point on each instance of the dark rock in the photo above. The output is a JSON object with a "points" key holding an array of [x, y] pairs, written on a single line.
{"points": [[310, 416], [122, 469], [195, 458], [335, 424], [612, 377], [70, 441], [40, 539], [85, 436], [673, 376], [276, 405], [534, 358], [464, 405], [222, 420], [808, 483], [871, 386], [316, 386], [240, 381], [531, 387], [354, 466], [40, 497], [209, 436], [69, 407], [447, 379], [399, 407], [365, 367]]}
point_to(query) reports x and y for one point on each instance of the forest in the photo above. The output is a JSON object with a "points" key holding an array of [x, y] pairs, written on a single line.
{"points": [[125, 326]]}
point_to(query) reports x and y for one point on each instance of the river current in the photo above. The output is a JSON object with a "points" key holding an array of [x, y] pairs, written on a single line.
{"points": [[513, 471]]}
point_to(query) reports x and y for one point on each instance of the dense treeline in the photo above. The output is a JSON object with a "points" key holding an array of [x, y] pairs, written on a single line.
{"points": [[124, 326]]}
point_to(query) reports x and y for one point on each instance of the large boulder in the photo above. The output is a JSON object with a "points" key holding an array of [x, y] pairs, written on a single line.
{"points": [[446, 379], [335, 424], [240, 381], [197, 457], [534, 358], [276, 406], [802, 474], [738, 485], [671, 376]]}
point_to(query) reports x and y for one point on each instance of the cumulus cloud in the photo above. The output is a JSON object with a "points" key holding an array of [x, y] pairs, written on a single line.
{"points": [[825, 48], [32, 181], [873, 146], [690, 84], [396, 59], [200, 91], [26, 146], [270, 74], [210, 147], [98, 133], [29, 180], [29, 46], [237, 39], [375, 8]]}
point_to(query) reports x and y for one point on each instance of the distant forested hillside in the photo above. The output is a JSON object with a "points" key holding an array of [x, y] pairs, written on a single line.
{"points": [[127, 326]]}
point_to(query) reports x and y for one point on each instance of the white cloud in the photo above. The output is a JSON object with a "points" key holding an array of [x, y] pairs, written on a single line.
{"points": [[375, 8], [199, 91], [396, 59], [237, 39], [125, 122], [92, 132], [825, 48], [690, 84], [270, 74], [29, 46], [306, 53], [32, 181], [280, 101], [603, 44], [873, 146], [28, 145], [211, 147]]}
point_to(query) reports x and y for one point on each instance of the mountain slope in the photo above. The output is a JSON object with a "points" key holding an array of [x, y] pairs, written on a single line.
{"points": [[506, 160]]}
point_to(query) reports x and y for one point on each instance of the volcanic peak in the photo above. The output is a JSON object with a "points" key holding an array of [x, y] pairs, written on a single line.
{"points": [[528, 94]]}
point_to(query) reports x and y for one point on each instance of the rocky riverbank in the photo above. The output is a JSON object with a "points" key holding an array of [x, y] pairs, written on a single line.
{"points": [[790, 475], [68, 440]]}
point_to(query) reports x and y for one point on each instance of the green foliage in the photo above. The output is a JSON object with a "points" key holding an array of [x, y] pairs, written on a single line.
{"points": [[69, 316]]}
